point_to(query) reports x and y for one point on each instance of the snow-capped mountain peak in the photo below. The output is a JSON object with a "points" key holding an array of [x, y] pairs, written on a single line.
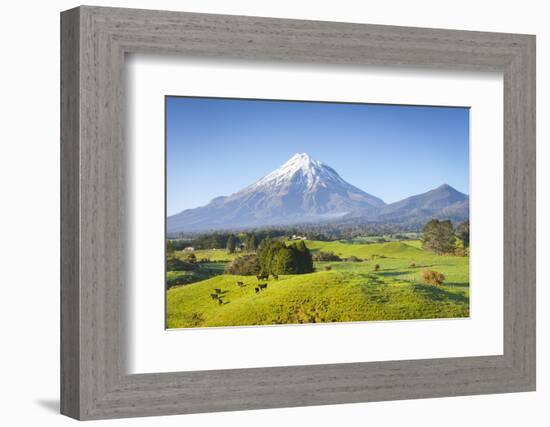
{"points": [[301, 190], [300, 168]]}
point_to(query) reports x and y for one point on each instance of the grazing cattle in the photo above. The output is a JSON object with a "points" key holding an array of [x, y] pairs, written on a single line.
{"points": [[220, 302], [262, 285], [263, 277], [257, 290], [218, 291], [240, 284], [275, 276], [214, 296]]}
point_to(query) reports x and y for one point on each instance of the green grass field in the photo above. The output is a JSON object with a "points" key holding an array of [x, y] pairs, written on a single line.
{"points": [[349, 292]]}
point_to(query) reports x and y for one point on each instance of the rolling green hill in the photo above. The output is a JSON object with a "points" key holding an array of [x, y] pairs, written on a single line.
{"points": [[350, 291]]}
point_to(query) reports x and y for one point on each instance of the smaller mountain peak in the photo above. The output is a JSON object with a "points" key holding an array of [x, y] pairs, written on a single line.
{"points": [[448, 189]]}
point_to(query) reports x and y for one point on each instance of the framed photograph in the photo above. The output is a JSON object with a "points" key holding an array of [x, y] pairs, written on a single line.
{"points": [[262, 213], [300, 244]]}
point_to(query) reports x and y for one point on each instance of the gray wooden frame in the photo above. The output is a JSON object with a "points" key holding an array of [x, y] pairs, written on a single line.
{"points": [[94, 382]]}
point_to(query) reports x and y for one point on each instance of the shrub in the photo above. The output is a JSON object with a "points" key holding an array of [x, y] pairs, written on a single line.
{"points": [[461, 252], [172, 281], [377, 267], [175, 264], [247, 265], [433, 277], [328, 268], [191, 258], [326, 256]]}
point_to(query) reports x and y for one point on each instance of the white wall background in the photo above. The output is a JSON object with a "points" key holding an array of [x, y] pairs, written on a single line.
{"points": [[29, 191]]}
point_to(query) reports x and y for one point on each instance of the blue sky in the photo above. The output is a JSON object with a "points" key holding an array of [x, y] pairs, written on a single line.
{"points": [[215, 147]]}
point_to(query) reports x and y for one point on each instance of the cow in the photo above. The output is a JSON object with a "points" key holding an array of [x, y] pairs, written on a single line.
{"points": [[275, 276], [262, 277], [257, 290], [240, 284], [214, 296], [218, 291], [262, 285], [220, 302]]}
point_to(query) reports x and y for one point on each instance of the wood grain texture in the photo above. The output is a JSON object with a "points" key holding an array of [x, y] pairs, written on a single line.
{"points": [[94, 381], [70, 220]]}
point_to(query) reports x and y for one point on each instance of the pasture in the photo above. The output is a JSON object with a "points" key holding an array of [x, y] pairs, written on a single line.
{"points": [[346, 291]]}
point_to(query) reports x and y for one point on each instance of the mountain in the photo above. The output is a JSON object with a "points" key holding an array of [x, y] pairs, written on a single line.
{"points": [[304, 190], [301, 190], [443, 202]]}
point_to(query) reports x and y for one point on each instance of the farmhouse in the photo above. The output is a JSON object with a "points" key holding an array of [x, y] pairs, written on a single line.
{"points": [[189, 249]]}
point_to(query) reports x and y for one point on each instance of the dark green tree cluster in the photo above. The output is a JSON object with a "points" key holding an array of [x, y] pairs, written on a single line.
{"points": [[277, 258]]}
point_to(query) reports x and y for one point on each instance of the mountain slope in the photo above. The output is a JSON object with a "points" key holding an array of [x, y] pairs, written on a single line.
{"points": [[301, 190], [304, 190], [443, 202]]}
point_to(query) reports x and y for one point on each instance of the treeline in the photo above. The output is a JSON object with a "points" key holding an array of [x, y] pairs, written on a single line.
{"points": [[323, 232], [217, 240], [443, 239], [439, 236]]}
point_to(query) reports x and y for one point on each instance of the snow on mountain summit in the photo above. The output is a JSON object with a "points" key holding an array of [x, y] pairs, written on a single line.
{"points": [[301, 190], [300, 167], [304, 190]]}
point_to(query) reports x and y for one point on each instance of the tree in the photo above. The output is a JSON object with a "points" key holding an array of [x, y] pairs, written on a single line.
{"points": [[170, 248], [275, 257], [231, 244], [303, 258], [252, 243], [286, 261], [463, 233], [439, 237]]}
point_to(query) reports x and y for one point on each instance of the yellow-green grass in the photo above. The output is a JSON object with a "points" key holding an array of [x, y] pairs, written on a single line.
{"points": [[350, 291]]}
